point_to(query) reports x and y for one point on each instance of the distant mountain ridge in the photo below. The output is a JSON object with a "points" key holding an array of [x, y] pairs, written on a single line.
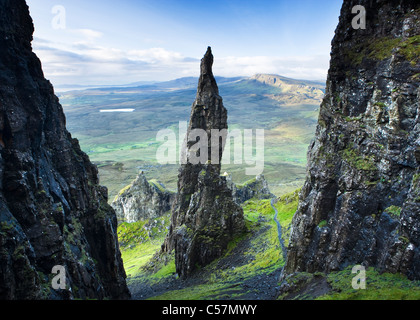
{"points": [[191, 82], [288, 114]]}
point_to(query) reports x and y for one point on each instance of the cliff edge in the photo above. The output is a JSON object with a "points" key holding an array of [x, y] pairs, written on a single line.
{"points": [[360, 203], [52, 210]]}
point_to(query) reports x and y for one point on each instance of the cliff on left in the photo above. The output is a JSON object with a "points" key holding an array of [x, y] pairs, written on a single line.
{"points": [[52, 210]]}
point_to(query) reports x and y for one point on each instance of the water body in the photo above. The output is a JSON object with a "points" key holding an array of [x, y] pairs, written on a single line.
{"points": [[117, 110]]}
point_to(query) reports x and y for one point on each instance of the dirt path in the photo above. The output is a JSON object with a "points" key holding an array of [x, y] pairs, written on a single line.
{"points": [[283, 247]]}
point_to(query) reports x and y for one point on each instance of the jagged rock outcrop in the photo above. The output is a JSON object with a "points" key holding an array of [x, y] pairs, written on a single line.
{"points": [[205, 217], [255, 188], [142, 200], [360, 203], [52, 210]]}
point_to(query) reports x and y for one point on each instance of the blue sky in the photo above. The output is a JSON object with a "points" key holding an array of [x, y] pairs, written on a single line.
{"points": [[117, 42]]}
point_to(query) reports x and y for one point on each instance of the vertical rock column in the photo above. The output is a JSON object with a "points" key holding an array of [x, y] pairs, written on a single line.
{"points": [[205, 217], [52, 209]]}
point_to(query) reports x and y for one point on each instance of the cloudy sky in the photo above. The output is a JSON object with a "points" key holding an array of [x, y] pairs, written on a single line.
{"points": [[118, 42]]}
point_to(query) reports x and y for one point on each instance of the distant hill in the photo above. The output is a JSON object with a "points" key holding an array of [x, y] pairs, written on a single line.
{"points": [[122, 143], [293, 91]]}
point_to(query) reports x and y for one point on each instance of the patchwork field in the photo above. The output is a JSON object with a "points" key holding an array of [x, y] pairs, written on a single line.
{"points": [[122, 143]]}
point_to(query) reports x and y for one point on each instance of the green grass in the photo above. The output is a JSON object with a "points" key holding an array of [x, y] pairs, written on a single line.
{"points": [[383, 48], [379, 286], [287, 206], [167, 270], [358, 161], [139, 245], [130, 139], [263, 253], [213, 291], [136, 258], [394, 211], [323, 224], [410, 48]]}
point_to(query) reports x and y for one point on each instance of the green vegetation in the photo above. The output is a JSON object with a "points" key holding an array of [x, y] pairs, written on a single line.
{"points": [[381, 105], [379, 286], [394, 211], [247, 183], [155, 183], [124, 190], [258, 253], [358, 161], [139, 241], [411, 49], [257, 250], [353, 119], [122, 144], [323, 224], [380, 49], [287, 206]]}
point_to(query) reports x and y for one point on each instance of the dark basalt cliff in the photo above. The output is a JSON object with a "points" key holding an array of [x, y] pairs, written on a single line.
{"points": [[360, 203], [205, 216], [52, 210], [256, 188], [142, 200]]}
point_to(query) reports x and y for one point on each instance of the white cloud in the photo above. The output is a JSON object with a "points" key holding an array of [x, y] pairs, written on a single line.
{"points": [[156, 55], [84, 62], [87, 33], [298, 67]]}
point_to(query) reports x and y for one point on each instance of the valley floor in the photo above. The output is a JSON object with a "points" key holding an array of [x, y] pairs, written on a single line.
{"points": [[250, 268]]}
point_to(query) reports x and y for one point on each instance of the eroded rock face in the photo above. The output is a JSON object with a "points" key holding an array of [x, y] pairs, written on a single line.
{"points": [[205, 217], [255, 188], [142, 200], [360, 203], [52, 210]]}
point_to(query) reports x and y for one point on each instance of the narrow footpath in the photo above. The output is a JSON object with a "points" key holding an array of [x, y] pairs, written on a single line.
{"points": [[283, 247]]}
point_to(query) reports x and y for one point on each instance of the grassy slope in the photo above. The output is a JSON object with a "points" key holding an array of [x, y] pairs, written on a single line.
{"points": [[250, 266], [337, 285], [379, 286], [254, 254]]}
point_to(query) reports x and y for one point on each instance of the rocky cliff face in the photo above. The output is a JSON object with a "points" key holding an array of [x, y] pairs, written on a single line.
{"points": [[52, 210], [142, 200], [205, 217], [255, 188], [360, 203]]}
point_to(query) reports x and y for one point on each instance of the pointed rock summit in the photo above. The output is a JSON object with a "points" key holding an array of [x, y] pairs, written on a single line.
{"points": [[205, 216]]}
